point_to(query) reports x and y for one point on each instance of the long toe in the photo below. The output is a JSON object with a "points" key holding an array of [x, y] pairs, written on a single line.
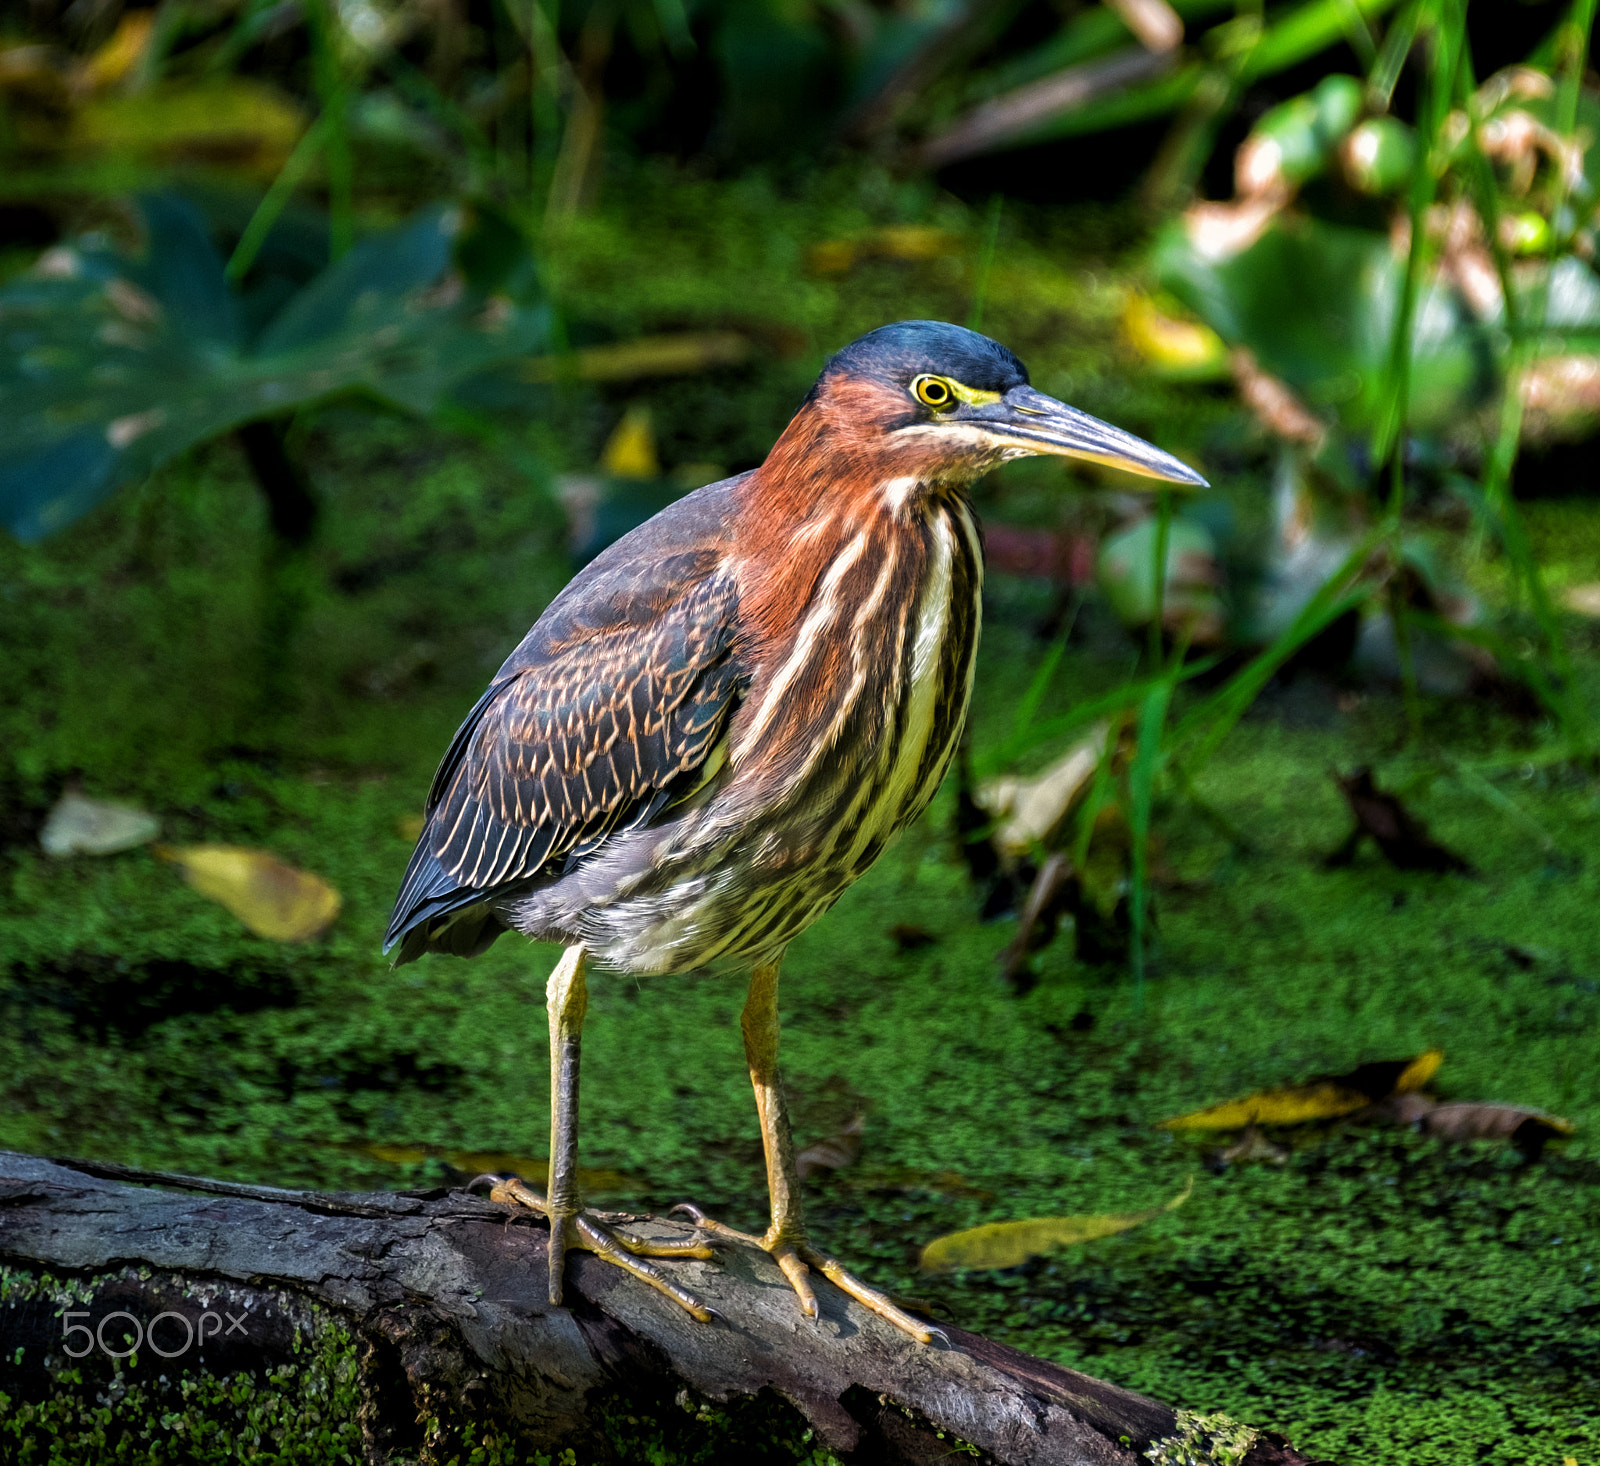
{"points": [[586, 1231], [798, 1258], [869, 1297]]}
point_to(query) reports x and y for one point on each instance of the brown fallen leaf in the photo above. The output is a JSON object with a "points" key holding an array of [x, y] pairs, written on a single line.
{"points": [[1032, 811], [834, 1153], [274, 900], [1327, 1097], [1009, 1244], [1403, 1109], [911, 938], [1483, 1121], [1252, 1145], [1401, 837], [1274, 403], [82, 826], [1050, 897]]}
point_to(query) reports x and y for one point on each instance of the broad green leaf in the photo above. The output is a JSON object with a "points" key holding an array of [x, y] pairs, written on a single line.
{"points": [[1009, 1244], [1124, 571], [1316, 302], [113, 365]]}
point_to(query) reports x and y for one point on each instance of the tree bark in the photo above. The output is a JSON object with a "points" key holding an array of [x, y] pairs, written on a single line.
{"points": [[444, 1293]]}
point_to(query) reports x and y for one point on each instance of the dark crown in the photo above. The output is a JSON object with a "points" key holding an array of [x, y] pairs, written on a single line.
{"points": [[907, 349]]}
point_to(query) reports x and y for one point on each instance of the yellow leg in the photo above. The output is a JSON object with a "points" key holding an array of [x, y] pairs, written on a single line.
{"points": [[571, 1225], [786, 1239]]}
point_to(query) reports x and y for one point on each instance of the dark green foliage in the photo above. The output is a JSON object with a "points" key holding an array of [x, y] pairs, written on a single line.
{"points": [[117, 363], [1316, 303]]}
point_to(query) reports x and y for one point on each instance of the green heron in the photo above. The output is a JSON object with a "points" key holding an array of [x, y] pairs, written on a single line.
{"points": [[724, 719]]}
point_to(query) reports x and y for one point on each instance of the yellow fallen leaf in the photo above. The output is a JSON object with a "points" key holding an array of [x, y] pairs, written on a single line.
{"points": [[410, 826], [1008, 1244], [676, 354], [1419, 1071], [1294, 1105], [118, 56], [1324, 1098], [274, 900], [1174, 347], [909, 243], [630, 451], [228, 120]]}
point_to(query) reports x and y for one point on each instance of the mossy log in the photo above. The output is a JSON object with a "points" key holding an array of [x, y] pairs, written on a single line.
{"points": [[413, 1326]]}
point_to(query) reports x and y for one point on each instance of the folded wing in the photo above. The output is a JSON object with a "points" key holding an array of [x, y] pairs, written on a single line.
{"points": [[602, 717]]}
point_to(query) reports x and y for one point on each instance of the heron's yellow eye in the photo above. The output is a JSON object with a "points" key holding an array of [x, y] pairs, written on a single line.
{"points": [[933, 392]]}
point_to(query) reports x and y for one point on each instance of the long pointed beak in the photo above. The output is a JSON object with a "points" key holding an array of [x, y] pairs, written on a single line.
{"points": [[1029, 420]]}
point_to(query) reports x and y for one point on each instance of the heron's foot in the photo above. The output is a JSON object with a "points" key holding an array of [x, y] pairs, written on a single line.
{"points": [[583, 1230], [795, 1255]]}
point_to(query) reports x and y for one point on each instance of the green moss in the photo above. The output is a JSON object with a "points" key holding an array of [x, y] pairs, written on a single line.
{"points": [[153, 1412], [1379, 1297]]}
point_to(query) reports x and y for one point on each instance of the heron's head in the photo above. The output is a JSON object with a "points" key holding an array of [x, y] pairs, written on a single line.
{"points": [[944, 402]]}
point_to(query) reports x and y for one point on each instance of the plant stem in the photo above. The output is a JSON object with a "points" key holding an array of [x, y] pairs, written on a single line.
{"points": [[991, 238], [274, 201], [333, 92], [1158, 569]]}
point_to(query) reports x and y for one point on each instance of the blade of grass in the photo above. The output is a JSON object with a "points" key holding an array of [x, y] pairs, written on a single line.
{"points": [[273, 202], [1108, 704], [1095, 800], [1397, 43], [1142, 773], [1158, 571], [1471, 779], [418, 87], [1446, 44], [1039, 683], [1445, 34], [333, 92], [991, 238], [1212, 720], [1526, 329]]}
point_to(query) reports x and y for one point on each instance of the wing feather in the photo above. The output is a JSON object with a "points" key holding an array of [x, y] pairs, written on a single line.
{"points": [[600, 718]]}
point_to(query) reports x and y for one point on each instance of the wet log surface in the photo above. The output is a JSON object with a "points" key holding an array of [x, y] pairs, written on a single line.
{"points": [[444, 1293]]}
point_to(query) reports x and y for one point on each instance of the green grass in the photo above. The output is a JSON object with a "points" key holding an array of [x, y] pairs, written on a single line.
{"points": [[1380, 1297]]}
